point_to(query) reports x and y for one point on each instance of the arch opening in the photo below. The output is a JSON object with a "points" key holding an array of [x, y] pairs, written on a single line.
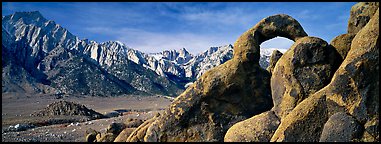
{"points": [[280, 43]]}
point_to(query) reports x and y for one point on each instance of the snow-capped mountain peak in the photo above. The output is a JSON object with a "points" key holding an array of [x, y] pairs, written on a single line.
{"points": [[28, 18], [51, 53], [120, 43]]}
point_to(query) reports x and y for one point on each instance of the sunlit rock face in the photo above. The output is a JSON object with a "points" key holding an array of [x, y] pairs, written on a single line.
{"points": [[224, 95]]}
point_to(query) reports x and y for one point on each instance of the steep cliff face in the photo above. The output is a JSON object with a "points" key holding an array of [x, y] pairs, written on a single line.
{"points": [[15, 78]]}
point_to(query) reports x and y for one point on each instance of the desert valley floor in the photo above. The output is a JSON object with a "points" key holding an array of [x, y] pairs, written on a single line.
{"points": [[16, 109]]}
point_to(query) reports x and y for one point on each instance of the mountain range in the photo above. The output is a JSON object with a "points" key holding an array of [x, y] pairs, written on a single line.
{"points": [[40, 56]]}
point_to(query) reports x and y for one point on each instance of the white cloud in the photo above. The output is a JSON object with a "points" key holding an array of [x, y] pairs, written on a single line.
{"points": [[210, 27]]}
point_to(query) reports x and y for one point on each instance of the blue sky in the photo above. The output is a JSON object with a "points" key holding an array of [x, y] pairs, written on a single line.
{"points": [[153, 27]]}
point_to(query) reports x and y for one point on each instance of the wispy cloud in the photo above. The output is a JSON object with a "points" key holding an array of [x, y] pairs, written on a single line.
{"points": [[153, 27], [339, 23], [308, 15], [215, 17]]}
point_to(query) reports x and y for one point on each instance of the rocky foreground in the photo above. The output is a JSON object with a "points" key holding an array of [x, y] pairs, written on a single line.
{"points": [[44, 118], [315, 91]]}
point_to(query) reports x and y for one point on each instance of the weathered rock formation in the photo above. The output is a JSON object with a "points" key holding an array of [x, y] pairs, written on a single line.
{"points": [[115, 128], [133, 123], [372, 130], [140, 131], [259, 128], [360, 15], [115, 132], [68, 109], [106, 137], [342, 43], [340, 127], [319, 92], [304, 69], [90, 135], [224, 95], [354, 89], [122, 137], [304, 122], [275, 56]]}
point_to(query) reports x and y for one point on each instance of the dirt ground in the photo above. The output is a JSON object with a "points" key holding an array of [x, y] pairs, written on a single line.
{"points": [[16, 109]]}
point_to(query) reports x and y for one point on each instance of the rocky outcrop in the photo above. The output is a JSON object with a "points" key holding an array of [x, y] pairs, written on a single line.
{"points": [[115, 132], [342, 43], [355, 87], [122, 137], [112, 132], [130, 123], [304, 69], [115, 128], [275, 56], [304, 123], [140, 132], [106, 137], [91, 135], [354, 90], [68, 109], [246, 48], [52, 59], [372, 130], [224, 95], [340, 127], [315, 93], [259, 128], [360, 15]]}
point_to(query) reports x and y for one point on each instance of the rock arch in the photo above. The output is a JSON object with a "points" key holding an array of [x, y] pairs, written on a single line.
{"points": [[224, 95], [247, 47]]}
